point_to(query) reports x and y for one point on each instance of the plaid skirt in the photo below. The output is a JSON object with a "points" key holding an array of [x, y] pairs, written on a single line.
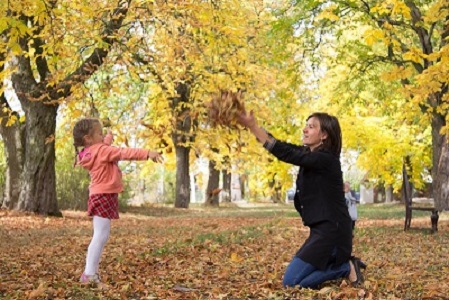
{"points": [[103, 205]]}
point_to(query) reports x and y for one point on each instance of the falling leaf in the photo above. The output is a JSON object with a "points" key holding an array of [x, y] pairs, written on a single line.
{"points": [[215, 191]]}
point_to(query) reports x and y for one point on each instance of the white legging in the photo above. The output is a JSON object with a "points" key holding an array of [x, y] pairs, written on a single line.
{"points": [[102, 227]]}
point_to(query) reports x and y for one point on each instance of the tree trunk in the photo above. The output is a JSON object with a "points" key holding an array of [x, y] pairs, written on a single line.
{"points": [[407, 187], [212, 190], [37, 178], [389, 194], [13, 138], [243, 179], [38, 188], [441, 194], [236, 188], [181, 139], [440, 161], [226, 189], [30, 183], [182, 197], [14, 141]]}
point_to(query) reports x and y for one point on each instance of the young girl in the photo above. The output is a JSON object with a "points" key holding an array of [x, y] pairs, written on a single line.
{"points": [[101, 160]]}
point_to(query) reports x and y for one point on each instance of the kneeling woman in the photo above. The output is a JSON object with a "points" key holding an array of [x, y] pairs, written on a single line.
{"points": [[319, 199]]}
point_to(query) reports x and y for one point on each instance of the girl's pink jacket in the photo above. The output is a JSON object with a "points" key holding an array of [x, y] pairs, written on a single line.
{"points": [[101, 160]]}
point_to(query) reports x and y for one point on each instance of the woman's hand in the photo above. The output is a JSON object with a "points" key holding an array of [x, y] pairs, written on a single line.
{"points": [[247, 120], [155, 156]]}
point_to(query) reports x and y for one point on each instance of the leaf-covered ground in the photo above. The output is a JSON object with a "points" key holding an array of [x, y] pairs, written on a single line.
{"points": [[229, 253]]}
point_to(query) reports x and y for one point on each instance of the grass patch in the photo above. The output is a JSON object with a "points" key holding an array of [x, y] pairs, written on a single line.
{"points": [[225, 210], [386, 211], [235, 237], [377, 211], [227, 237]]}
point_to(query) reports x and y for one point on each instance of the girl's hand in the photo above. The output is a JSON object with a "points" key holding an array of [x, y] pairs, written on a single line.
{"points": [[108, 137], [247, 120], [155, 156]]}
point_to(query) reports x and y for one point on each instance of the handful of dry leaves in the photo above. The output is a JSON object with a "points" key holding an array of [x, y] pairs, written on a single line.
{"points": [[225, 108]]}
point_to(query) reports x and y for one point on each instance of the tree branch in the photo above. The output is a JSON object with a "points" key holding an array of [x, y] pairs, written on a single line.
{"points": [[41, 61], [422, 33], [150, 67], [96, 59], [23, 78]]}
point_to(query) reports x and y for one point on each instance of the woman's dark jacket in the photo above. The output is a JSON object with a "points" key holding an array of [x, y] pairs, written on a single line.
{"points": [[320, 201]]}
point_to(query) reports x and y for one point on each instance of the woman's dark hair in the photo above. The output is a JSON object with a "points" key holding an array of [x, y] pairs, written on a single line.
{"points": [[329, 124]]}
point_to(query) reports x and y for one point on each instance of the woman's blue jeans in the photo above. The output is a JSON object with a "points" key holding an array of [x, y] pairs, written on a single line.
{"points": [[307, 276]]}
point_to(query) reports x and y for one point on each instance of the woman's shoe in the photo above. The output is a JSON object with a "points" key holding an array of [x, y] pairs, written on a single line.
{"points": [[362, 264], [357, 263]]}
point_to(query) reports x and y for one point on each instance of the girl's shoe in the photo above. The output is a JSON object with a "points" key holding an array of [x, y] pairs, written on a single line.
{"points": [[90, 278], [94, 281]]}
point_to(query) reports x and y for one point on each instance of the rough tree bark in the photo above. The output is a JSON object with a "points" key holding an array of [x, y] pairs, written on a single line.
{"points": [[441, 193], [181, 138], [407, 187], [440, 163], [14, 154], [226, 189], [212, 190], [13, 139]]}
